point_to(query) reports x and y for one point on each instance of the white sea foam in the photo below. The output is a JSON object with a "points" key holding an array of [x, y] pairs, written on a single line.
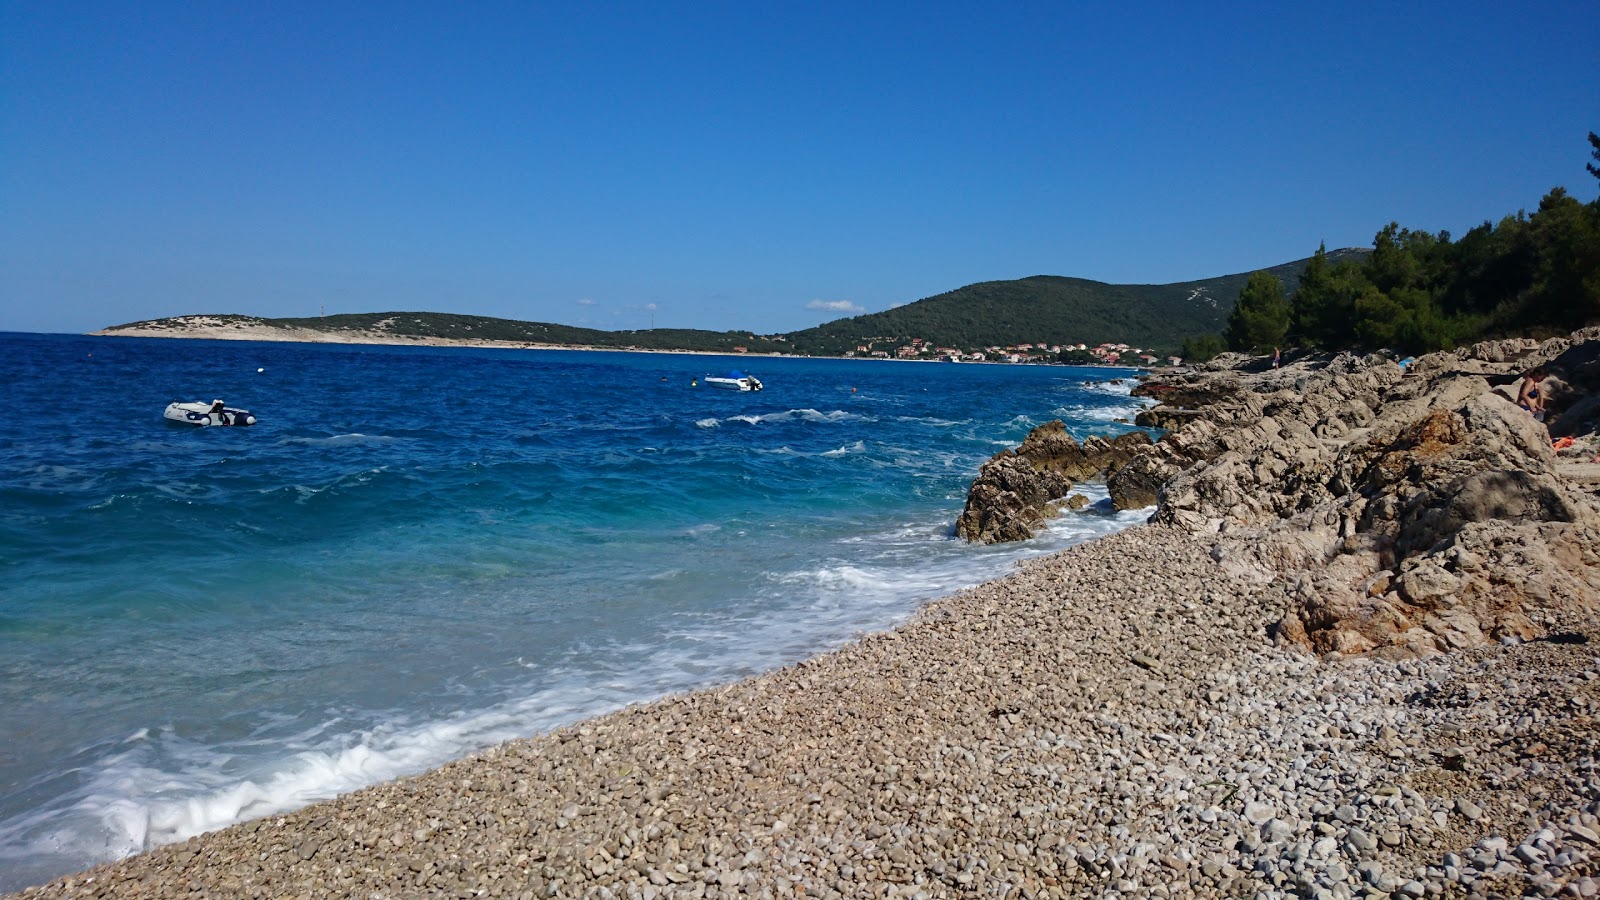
{"points": [[857, 447], [807, 415], [614, 582], [1106, 414], [1108, 387], [158, 788]]}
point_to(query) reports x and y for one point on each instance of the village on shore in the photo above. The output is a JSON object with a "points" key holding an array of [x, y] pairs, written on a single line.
{"points": [[1109, 353]]}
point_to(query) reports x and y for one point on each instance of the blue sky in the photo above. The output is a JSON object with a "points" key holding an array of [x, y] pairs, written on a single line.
{"points": [[744, 166]]}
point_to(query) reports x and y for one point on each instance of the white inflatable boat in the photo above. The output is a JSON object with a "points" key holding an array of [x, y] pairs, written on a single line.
{"points": [[213, 413], [733, 381]]}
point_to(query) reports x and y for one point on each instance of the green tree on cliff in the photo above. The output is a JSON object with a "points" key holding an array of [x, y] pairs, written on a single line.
{"points": [[1566, 276], [1261, 317], [1201, 348], [1323, 305], [1400, 311]]}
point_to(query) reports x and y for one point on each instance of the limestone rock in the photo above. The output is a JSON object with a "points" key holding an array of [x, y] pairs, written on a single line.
{"points": [[1016, 489], [1007, 501], [1402, 512]]}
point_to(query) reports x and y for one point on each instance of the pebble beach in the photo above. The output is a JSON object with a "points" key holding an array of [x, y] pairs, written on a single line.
{"points": [[1327, 701], [1112, 721]]}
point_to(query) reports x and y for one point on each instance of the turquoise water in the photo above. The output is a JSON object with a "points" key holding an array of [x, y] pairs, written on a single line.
{"points": [[419, 552]]}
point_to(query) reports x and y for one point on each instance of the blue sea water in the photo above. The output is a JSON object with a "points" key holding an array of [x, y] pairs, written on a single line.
{"points": [[419, 552]]}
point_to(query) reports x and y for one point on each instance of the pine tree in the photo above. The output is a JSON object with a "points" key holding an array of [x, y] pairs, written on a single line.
{"points": [[1261, 317]]}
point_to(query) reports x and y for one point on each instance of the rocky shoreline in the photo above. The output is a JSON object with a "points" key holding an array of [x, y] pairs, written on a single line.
{"points": [[1354, 655]]}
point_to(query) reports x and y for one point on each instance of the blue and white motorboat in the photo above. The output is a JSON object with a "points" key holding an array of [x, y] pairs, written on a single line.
{"points": [[213, 413], [733, 381]]}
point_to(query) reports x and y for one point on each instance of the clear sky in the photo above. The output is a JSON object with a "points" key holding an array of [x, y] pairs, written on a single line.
{"points": [[760, 166]]}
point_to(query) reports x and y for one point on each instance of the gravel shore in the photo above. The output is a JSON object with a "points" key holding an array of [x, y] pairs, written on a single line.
{"points": [[1112, 721], [1146, 715]]}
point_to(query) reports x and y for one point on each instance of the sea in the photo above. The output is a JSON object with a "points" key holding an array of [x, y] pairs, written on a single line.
{"points": [[419, 552]]}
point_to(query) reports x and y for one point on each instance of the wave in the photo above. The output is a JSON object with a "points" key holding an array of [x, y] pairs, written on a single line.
{"points": [[304, 493], [645, 536], [160, 787], [341, 440], [60, 478], [1100, 414], [857, 447], [934, 422], [1110, 388], [806, 415]]}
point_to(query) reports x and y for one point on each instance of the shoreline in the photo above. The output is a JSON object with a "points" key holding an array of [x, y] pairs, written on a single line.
{"points": [[367, 338], [1128, 717], [1022, 733]]}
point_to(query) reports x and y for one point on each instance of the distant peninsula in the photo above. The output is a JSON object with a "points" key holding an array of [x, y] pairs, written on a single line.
{"points": [[1033, 318]]}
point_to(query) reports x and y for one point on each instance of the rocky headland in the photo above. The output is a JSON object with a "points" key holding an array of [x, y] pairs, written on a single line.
{"points": [[1352, 655], [1403, 510]]}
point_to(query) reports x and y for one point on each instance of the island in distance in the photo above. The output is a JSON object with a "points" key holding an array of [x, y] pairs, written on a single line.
{"points": [[992, 319]]}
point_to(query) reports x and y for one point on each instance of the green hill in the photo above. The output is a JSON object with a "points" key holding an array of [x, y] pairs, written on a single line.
{"points": [[1043, 309], [1051, 309], [485, 328], [403, 325]]}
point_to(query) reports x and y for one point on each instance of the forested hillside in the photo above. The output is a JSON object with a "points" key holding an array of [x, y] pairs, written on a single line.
{"points": [[1050, 309], [449, 325], [1528, 274]]}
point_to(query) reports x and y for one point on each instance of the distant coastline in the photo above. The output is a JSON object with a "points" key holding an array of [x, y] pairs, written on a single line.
{"points": [[217, 328], [229, 328]]}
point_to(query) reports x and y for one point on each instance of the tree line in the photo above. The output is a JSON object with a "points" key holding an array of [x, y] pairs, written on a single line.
{"points": [[1527, 275]]}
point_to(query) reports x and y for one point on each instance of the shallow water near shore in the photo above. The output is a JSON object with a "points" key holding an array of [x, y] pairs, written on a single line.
{"points": [[419, 552]]}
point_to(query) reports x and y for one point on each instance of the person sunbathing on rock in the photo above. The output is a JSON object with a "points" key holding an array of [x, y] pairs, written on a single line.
{"points": [[1529, 396]]}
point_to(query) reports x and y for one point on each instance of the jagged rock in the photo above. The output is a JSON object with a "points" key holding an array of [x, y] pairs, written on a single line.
{"points": [[1165, 417], [1490, 580], [1137, 484], [1509, 350], [1016, 489], [1051, 447], [1008, 500], [1397, 511]]}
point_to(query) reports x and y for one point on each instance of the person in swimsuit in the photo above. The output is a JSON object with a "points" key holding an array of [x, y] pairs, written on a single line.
{"points": [[1529, 396]]}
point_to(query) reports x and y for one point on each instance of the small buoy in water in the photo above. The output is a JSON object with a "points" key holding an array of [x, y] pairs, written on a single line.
{"points": [[261, 369]]}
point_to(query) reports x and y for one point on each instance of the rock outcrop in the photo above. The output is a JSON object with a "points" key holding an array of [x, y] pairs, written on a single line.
{"points": [[1402, 511], [1017, 490]]}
